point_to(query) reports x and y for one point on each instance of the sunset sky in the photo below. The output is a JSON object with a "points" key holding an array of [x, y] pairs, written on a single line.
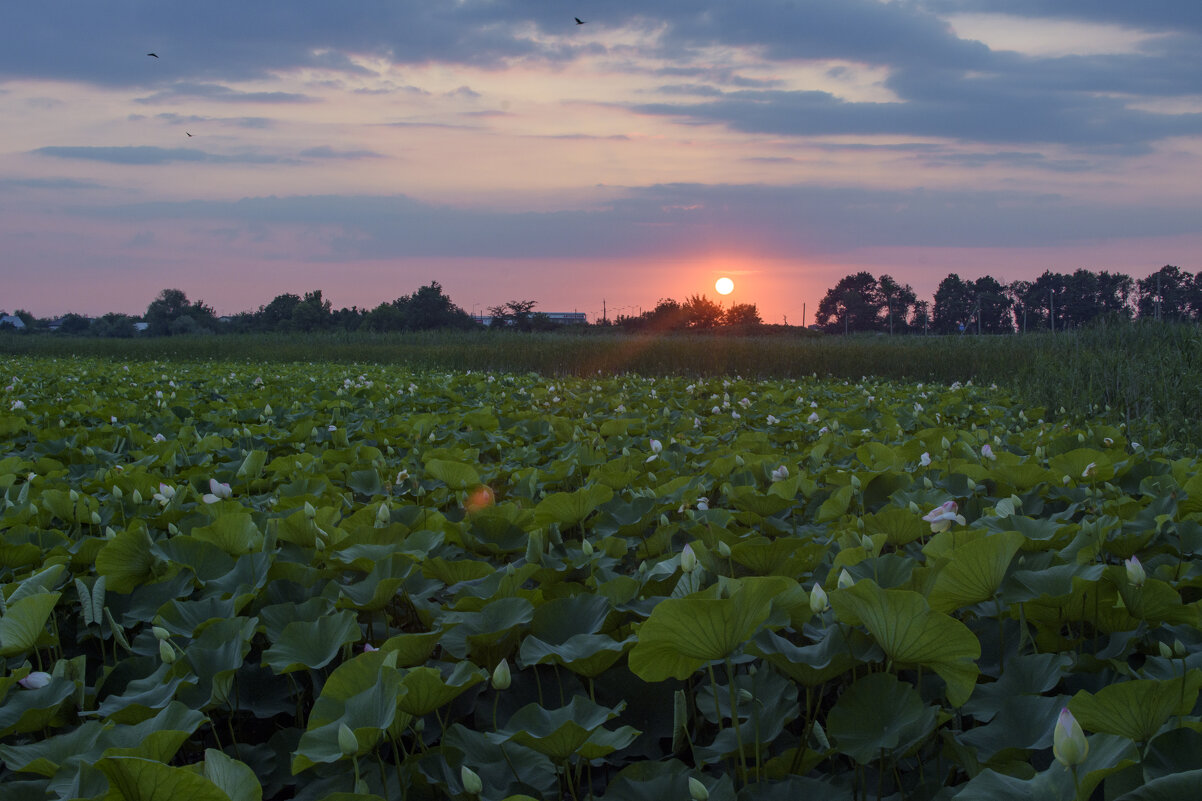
{"points": [[369, 147]]}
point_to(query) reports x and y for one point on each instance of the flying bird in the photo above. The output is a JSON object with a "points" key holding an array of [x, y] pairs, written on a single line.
{"points": [[187, 133], [153, 55], [579, 21]]}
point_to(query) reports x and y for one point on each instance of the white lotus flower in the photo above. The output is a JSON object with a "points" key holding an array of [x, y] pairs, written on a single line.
{"points": [[813, 418], [780, 473], [165, 494], [925, 459], [1068, 741], [1135, 571], [18, 404], [987, 451]]}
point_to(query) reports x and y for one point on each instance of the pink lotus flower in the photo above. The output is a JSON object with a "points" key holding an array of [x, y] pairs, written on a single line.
{"points": [[942, 517], [35, 680], [217, 491], [987, 451]]}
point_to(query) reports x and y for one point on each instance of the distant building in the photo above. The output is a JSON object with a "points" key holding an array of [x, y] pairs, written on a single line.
{"points": [[560, 318], [13, 320]]}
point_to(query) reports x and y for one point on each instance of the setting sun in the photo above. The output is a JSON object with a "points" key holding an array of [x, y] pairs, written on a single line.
{"points": [[724, 286]]}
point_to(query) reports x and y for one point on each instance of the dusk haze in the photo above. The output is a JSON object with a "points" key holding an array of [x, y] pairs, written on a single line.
{"points": [[509, 151]]}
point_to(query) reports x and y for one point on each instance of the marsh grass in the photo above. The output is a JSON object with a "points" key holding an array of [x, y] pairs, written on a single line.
{"points": [[1148, 374]]}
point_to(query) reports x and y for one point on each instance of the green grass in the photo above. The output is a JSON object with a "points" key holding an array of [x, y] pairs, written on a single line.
{"points": [[1148, 374]]}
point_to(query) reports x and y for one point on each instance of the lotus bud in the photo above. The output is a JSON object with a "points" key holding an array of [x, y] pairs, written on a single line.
{"points": [[818, 599], [471, 781], [972, 485], [1179, 649], [383, 515], [160, 633], [172, 529], [35, 680], [914, 508], [348, 743], [166, 652], [501, 677], [117, 493], [723, 549], [945, 443], [534, 548], [586, 547], [845, 579], [1080, 438], [73, 495], [1165, 650], [136, 497], [95, 519], [739, 460], [745, 696], [926, 482], [688, 559], [1068, 741], [310, 512], [855, 483], [1135, 572], [663, 520], [267, 410]]}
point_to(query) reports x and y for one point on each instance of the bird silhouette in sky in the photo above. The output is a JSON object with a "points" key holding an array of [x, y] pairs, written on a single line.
{"points": [[579, 21], [153, 55], [187, 133]]}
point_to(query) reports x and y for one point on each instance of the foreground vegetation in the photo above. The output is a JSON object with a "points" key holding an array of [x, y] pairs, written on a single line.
{"points": [[1146, 373], [227, 580]]}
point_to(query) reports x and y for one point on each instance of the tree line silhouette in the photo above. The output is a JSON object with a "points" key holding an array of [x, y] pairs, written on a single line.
{"points": [[858, 303]]}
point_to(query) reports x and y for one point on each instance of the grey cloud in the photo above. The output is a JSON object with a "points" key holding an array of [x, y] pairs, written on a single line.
{"points": [[213, 91], [327, 152], [148, 155], [47, 183], [1148, 15], [784, 221]]}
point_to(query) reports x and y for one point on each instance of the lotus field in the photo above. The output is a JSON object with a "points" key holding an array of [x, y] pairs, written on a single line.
{"points": [[232, 581]]}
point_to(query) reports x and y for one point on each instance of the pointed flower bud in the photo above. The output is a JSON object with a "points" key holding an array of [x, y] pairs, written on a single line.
{"points": [[501, 677], [845, 580], [348, 743], [723, 549], [166, 652], [697, 790], [1135, 572], [688, 559], [310, 512], [818, 599], [471, 781], [1068, 741], [1165, 650], [35, 680]]}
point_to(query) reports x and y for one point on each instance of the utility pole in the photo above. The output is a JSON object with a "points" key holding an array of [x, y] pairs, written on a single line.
{"points": [[604, 319], [803, 314]]}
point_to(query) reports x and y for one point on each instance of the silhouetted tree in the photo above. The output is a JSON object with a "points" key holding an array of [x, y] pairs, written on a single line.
{"points": [[702, 313], [993, 306], [312, 313], [172, 304], [955, 304], [429, 307], [113, 325], [277, 315], [1165, 294], [75, 324], [899, 300], [853, 304], [744, 315]]}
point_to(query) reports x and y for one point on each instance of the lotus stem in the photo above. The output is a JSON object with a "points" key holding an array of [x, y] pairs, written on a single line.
{"points": [[734, 716]]}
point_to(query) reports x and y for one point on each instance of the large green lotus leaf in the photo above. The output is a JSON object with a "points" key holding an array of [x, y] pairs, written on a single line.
{"points": [[235, 778], [973, 572], [24, 622], [750, 499], [45, 756], [502, 528], [34, 710], [215, 656], [453, 572], [146, 697], [1136, 709], [560, 619], [234, 533], [137, 779], [426, 689], [187, 618], [499, 621], [784, 556], [684, 634], [571, 508], [835, 506], [309, 645], [1175, 751], [909, 632], [126, 561], [583, 654], [158, 737], [899, 525], [560, 733], [1074, 463], [879, 713], [1054, 581], [380, 586], [836, 652], [1154, 601], [506, 766], [456, 475], [1024, 721], [412, 649], [38, 583], [1108, 754], [1024, 674], [366, 483], [361, 694], [205, 559], [1168, 788]]}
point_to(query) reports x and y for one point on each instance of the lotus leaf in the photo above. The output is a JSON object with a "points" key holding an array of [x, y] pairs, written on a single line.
{"points": [[879, 713]]}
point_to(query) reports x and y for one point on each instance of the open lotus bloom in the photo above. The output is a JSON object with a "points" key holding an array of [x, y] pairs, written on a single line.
{"points": [[780, 473], [942, 517], [987, 451], [925, 459], [1135, 571], [217, 491]]}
